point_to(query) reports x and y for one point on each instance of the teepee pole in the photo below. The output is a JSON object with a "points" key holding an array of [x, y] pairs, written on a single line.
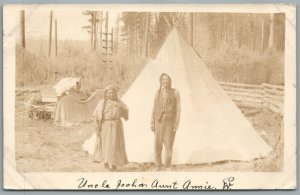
{"points": [[167, 21], [179, 19]]}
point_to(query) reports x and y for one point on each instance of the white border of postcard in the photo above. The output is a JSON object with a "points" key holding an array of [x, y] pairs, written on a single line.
{"points": [[69, 180]]}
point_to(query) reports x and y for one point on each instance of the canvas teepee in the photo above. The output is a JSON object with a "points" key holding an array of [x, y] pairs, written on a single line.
{"points": [[211, 127]]}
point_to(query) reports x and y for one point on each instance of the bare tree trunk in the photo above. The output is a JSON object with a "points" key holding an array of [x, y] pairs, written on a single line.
{"points": [[224, 29], [22, 28], [234, 30], [192, 29], [117, 37], [146, 35], [22, 39], [112, 41], [249, 36], [95, 29], [100, 31], [219, 32], [50, 40], [262, 35], [55, 37], [92, 32], [129, 38], [106, 34], [50, 33], [271, 36], [157, 31], [136, 39], [216, 41], [239, 41]]}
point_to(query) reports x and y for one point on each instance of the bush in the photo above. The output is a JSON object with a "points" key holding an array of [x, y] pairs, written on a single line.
{"points": [[75, 60], [30, 70], [242, 66]]}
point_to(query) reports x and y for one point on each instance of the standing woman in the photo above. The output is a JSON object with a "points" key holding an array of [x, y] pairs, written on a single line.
{"points": [[110, 143]]}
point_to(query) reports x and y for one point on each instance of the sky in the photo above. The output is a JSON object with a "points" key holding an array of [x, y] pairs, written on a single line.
{"points": [[69, 24]]}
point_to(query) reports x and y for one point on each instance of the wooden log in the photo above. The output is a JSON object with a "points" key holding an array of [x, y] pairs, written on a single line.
{"points": [[248, 104], [276, 97], [247, 100], [241, 85], [256, 95], [267, 95], [27, 91], [22, 112], [273, 86], [273, 108], [273, 91], [259, 91], [273, 102]]}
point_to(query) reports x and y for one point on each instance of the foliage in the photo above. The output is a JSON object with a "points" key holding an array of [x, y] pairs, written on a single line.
{"points": [[240, 66], [74, 59], [236, 48], [29, 68]]}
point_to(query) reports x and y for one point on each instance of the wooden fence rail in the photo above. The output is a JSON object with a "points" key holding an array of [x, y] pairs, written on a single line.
{"points": [[264, 95]]}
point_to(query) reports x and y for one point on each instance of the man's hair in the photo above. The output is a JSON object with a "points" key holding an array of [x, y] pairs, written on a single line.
{"points": [[161, 76]]}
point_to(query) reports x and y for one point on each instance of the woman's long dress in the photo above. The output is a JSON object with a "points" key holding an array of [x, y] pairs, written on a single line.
{"points": [[110, 143]]}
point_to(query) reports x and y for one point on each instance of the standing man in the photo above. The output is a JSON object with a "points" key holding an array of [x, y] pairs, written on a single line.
{"points": [[165, 120]]}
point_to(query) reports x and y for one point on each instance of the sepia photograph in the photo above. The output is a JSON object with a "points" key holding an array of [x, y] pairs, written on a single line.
{"points": [[149, 97]]}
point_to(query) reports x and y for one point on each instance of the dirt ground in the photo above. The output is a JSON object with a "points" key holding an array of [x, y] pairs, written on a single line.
{"points": [[42, 147]]}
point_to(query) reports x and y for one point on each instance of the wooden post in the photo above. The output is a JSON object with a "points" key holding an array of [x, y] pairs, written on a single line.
{"points": [[50, 33], [50, 40], [112, 40], [271, 34], [117, 36], [100, 30], [106, 34], [55, 37], [22, 28], [192, 29], [95, 29], [146, 34], [116, 40], [235, 29], [92, 32], [136, 39], [262, 34], [22, 40]]}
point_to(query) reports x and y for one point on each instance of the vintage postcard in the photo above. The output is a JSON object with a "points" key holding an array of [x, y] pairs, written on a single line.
{"points": [[149, 97]]}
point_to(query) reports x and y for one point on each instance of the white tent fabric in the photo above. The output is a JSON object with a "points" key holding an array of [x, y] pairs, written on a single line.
{"points": [[65, 84], [211, 126]]}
